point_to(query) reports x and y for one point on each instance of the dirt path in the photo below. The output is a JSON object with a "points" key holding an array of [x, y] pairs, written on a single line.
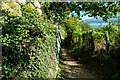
{"points": [[73, 69]]}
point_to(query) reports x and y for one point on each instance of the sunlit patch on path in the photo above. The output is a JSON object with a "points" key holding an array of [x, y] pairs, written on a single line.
{"points": [[73, 69]]}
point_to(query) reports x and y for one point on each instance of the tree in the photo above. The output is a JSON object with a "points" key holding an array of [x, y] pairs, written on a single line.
{"points": [[60, 11]]}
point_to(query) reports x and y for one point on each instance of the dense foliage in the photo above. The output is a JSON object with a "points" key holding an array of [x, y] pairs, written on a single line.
{"points": [[60, 11], [98, 48], [73, 28], [28, 45], [28, 37]]}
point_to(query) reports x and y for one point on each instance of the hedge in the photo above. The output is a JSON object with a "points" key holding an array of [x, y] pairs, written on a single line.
{"points": [[28, 44]]}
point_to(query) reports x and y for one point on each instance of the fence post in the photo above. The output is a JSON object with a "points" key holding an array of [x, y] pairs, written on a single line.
{"points": [[58, 41], [57, 52], [83, 38], [107, 41]]}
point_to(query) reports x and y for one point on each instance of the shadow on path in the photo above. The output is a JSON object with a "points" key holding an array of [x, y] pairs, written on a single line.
{"points": [[73, 69]]}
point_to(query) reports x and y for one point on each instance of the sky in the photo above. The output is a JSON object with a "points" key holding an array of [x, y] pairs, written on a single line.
{"points": [[86, 17]]}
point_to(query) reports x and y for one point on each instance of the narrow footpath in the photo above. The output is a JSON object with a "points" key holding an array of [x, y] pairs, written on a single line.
{"points": [[73, 69]]}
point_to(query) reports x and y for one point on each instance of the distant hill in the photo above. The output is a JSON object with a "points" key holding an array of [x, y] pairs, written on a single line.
{"points": [[93, 20], [113, 20]]}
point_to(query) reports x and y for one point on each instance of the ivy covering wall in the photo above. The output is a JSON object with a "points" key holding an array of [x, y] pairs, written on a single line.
{"points": [[28, 43]]}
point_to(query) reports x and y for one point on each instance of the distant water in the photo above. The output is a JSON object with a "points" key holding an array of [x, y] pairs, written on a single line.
{"points": [[96, 25]]}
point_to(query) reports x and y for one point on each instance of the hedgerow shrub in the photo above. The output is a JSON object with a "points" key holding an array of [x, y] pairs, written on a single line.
{"points": [[84, 41], [96, 48], [73, 27], [28, 45]]}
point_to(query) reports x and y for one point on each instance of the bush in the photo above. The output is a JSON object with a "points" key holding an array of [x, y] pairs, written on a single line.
{"points": [[28, 46], [99, 49], [73, 27]]}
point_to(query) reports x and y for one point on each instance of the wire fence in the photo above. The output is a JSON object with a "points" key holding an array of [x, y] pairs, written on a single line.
{"points": [[58, 41]]}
